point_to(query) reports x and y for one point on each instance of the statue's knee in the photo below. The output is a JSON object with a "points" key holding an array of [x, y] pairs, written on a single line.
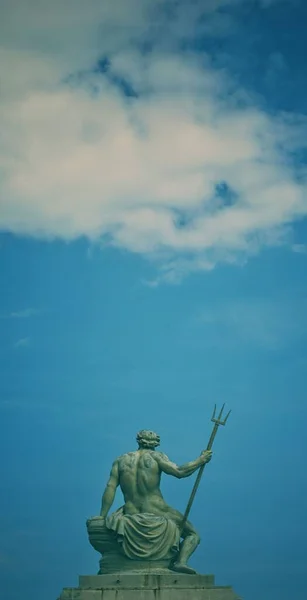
{"points": [[194, 536]]}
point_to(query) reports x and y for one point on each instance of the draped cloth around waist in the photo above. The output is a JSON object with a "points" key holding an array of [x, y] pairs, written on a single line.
{"points": [[145, 536]]}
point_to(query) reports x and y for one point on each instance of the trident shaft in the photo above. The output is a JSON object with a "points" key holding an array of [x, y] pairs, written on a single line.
{"points": [[217, 422]]}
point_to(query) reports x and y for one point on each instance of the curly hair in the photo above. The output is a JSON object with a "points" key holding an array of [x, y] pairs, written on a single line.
{"points": [[148, 439]]}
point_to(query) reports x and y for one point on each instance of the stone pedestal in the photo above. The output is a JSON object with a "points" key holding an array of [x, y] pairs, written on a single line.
{"points": [[173, 586]]}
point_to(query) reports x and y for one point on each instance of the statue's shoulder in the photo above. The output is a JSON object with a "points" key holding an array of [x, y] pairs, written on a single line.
{"points": [[127, 457], [161, 456]]}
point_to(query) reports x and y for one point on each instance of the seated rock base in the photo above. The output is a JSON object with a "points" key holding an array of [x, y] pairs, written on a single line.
{"points": [[115, 562]]}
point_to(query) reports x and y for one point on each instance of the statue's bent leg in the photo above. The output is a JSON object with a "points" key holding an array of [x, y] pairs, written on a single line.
{"points": [[188, 545]]}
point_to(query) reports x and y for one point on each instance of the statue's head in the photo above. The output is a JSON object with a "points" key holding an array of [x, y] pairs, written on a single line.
{"points": [[148, 439]]}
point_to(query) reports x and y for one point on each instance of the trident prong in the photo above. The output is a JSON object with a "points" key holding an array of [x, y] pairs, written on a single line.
{"points": [[219, 420]]}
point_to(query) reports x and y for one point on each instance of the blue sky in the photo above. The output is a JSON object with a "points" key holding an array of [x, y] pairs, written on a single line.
{"points": [[153, 258]]}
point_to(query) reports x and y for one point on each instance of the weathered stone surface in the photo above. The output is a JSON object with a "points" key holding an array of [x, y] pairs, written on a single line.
{"points": [[151, 581], [187, 594], [157, 594], [115, 562], [148, 587]]}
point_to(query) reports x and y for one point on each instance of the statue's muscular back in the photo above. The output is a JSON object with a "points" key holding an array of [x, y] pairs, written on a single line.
{"points": [[139, 479]]}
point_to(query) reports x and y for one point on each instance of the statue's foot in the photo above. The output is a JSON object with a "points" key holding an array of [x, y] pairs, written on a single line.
{"points": [[182, 568]]}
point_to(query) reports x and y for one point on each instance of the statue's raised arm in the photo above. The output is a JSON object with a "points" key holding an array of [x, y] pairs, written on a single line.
{"points": [[170, 468]]}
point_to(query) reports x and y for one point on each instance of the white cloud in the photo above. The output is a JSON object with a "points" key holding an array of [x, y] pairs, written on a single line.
{"points": [[75, 162]]}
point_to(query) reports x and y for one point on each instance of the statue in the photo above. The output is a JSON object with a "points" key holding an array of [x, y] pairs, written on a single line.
{"points": [[146, 527], [145, 545]]}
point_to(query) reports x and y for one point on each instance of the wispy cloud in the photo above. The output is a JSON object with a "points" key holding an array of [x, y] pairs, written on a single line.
{"points": [[299, 248], [267, 323], [26, 313], [187, 170], [22, 343]]}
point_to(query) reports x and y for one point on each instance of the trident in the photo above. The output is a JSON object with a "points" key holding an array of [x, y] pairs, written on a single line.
{"points": [[217, 422]]}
